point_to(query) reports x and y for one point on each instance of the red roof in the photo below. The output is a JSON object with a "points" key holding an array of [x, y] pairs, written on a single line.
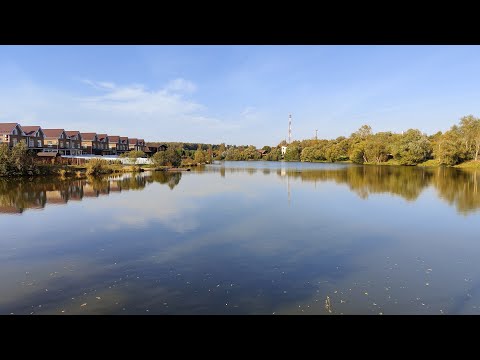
{"points": [[123, 138], [52, 133], [101, 137], [88, 136], [7, 128], [30, 130], [132, 141], [114, 138]]}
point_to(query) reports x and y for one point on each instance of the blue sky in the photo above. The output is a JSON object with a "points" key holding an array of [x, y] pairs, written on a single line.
{"points": [[238, 94]]}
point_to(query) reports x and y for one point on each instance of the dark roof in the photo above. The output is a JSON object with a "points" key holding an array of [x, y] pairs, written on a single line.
{"points": [[72, 132], [88, 136], [7, 128], [30, 130], [52, 133]]}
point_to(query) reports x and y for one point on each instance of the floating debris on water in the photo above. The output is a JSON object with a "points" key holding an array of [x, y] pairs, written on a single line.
{"points": [[84, 304], [328, 305]]}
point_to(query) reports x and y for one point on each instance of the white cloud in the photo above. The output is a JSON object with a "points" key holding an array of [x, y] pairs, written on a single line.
{"points": [[137, 99], [135, 110], [181, 85]]}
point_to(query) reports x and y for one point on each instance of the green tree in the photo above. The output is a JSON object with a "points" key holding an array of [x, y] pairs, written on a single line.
{"points": [[169, 157], [450, 148], [17, 161], [292, 153], [357, 153], [199, 156], [470, 131], [412, 148]]}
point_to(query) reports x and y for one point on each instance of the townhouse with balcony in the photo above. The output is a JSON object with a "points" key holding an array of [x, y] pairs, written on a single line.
{"points": [[34, 137], [103, 143], [113, 144], [71, 142], [75, 142], [11, 134], [90, 144], [141, 145], [124, 147], [56, 140]]}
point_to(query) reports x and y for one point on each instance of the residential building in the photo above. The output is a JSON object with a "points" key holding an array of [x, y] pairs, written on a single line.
{"points": [[34, 137], [132, 144], [75, 142], [56, 140], [123, 144], [114, 144], [90, 144], [11, 134], [103, 143]]}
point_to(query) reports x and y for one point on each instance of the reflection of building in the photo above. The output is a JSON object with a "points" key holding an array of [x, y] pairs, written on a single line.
{"points": [[7, 209], [89, 191], [56, 197], [15, 197]]}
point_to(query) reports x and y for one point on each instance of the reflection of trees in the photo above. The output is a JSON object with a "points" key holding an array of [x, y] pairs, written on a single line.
{"points": [[458, 187], [364, 180], [16, 195], [165, 177]]}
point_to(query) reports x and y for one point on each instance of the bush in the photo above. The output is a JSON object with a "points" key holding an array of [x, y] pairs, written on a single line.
{"points": [[17, 161], [97, 167], [168, 157]]}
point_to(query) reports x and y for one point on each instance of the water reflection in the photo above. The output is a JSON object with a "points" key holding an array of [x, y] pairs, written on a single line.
{"points": [[18, 195], [459, 187], [228, 242]]}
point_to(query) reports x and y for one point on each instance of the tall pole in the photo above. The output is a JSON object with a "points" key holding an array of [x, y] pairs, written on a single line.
{"points": [[316, 137], [289, 128]]}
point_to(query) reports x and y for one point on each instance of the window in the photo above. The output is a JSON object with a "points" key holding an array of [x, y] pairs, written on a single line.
{"points": [[14, 141], [39, 143], [61, 136], [31, 143], [61, 142]]}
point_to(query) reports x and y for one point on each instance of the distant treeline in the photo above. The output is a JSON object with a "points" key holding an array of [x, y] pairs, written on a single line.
{"points": [[459, 144]]}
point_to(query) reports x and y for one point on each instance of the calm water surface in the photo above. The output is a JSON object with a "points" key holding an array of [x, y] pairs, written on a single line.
{"points": [[244, 238]]}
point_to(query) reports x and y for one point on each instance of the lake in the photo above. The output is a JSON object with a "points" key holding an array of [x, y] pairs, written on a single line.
{"points": [[244, 238]]}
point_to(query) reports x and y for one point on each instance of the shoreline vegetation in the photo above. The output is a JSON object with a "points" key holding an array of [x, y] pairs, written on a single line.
{"points": [[458, 147]]}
